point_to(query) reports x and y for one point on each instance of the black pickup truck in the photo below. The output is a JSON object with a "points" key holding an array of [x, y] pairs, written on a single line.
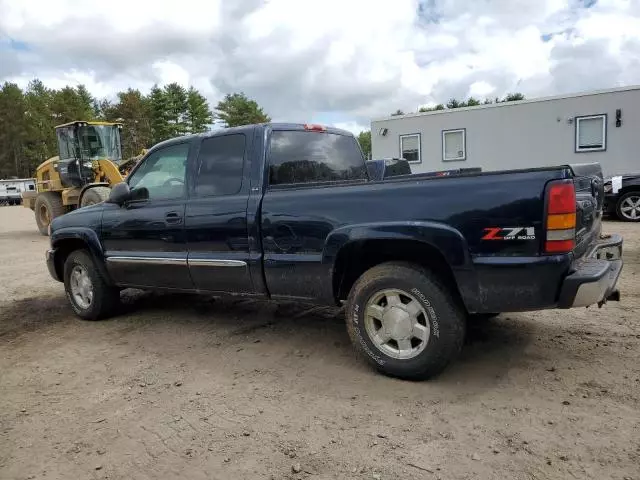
{"points": [[288, 211]]}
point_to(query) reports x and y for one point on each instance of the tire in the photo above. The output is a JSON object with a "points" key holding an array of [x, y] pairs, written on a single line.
{"points": [[94, 195], [48, 206], [628, 207], [441, 321], [103, 299]]}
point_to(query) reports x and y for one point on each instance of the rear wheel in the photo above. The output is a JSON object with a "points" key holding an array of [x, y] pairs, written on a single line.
{"points": [[94, 195], [47, 207], [91, 297], [628, 207], [404, 321]]}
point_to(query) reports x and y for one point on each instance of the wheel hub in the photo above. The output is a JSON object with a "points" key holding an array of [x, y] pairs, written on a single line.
{"points": [[397, 323], [630, 207], [81, 287]]}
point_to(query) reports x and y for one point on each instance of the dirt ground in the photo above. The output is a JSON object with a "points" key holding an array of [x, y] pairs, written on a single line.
{"points": [[184, 387]]}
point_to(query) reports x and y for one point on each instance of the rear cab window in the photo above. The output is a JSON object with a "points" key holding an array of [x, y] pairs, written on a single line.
{"points": [[301, 157]]}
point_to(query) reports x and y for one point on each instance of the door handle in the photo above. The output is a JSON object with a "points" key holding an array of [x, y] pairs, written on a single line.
{"points": [[173, 218]]}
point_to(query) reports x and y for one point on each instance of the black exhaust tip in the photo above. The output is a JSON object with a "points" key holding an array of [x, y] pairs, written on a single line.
{"points": [[614, 296]]}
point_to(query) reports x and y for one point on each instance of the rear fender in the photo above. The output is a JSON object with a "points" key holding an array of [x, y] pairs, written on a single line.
{"points": [[448, 241]]}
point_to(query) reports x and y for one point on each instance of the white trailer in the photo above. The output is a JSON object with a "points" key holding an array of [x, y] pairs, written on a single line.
{"points": [[598, 126], [11, 190]]}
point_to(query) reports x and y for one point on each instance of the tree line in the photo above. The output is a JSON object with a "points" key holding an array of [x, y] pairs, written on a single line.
{"points": [[28, 118], [469, 102]]}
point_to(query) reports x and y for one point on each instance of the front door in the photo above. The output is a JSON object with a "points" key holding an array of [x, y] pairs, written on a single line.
{"points": [[144, 240], [216, 216]]}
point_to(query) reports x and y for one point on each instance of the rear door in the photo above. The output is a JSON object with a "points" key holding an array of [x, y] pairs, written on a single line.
{"points": [[216, 215]]}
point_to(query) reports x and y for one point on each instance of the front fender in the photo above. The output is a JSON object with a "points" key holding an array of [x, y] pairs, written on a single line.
{"points": [[65, 240], [84, 234]]}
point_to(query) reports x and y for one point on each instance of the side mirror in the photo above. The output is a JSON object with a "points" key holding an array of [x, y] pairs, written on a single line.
{"points": [[120, 193], [140, 193]]}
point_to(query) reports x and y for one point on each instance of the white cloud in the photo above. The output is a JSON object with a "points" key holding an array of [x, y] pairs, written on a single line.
{"points": [[169, 72], [481, 89], [353, 127], [352, 60]]}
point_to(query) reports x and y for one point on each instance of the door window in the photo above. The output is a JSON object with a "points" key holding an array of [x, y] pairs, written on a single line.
{"points": [[163, 173], [220, 164]]}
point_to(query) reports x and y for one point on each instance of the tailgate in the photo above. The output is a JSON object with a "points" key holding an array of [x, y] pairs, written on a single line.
{"points": [[589, 185]]}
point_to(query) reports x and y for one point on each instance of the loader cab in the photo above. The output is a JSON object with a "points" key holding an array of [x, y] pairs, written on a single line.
{"points": [[82, 143]]}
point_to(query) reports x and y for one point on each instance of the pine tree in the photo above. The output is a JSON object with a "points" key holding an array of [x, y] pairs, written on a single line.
{"points": [[236, 109], [199, 116], [159, 113], [85, 103], [12, 131], [176, 108], [133, 110], [41, 140]]}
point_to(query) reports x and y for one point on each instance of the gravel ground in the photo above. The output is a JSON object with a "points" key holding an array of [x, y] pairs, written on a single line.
{"points": [[187, 387]]}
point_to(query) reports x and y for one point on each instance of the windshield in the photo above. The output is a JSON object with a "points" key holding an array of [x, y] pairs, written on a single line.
{"points": [[100, 141]]}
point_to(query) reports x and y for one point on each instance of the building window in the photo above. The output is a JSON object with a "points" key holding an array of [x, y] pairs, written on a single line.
{"points": [[591, 133], [454, 145], [410, 148]]}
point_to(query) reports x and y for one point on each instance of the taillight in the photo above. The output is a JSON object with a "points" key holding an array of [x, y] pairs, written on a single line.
{"points": [[314, 127], [561, 218]]}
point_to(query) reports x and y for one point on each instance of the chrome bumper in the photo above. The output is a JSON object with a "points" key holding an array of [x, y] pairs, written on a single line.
{"points": [[595, 276]]}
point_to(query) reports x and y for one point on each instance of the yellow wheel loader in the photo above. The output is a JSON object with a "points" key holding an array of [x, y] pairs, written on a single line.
{"points": [[88, 163]]}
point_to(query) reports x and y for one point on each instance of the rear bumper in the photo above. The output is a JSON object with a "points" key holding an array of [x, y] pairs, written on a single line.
{"points": [[594, 278], [51, 265]]}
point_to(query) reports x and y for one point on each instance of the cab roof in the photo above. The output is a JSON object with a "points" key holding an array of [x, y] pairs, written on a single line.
{"points": [[250, 128]]}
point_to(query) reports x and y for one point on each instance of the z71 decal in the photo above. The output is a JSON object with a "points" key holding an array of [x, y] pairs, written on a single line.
{"points": [[509, 233]]}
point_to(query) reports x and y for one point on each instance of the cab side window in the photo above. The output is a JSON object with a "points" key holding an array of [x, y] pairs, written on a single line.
{"points": [[304, 157], [163, 173]]}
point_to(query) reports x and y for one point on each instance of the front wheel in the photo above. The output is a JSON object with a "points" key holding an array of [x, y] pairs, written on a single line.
{"points": [[90, 296], [404, 321]]}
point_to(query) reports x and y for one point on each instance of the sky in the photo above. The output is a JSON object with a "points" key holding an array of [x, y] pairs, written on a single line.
{"points": [[337, 62]]}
